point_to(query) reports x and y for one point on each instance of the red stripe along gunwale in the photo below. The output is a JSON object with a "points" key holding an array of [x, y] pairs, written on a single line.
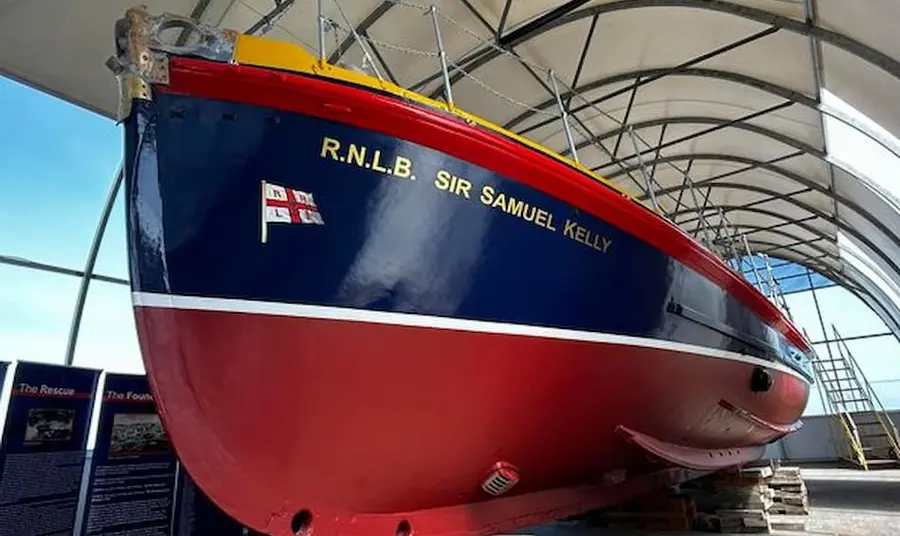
{"points": [[380, 112]]}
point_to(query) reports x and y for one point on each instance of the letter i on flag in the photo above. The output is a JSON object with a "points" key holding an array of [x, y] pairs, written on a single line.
{"points": [[287, 205]]}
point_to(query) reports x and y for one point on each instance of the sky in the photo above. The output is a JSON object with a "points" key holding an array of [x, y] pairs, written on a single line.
{"points": [[56, 167]]}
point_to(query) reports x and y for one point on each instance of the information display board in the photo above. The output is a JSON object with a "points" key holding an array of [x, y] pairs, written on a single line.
{"points": [[132, 473], [196, 515], [42, 450]]}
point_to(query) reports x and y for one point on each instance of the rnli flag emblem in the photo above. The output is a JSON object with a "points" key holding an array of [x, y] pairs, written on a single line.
{"points": [[287, 205]]}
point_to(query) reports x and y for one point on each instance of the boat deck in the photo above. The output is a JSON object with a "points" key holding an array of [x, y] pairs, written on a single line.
{"points": [[843, 502]]}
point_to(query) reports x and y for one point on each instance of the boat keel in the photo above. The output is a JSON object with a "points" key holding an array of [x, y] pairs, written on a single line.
{"points": [[691, 457]]}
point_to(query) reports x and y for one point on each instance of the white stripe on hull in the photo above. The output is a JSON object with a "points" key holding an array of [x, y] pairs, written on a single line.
{"points": [[229, 305]]}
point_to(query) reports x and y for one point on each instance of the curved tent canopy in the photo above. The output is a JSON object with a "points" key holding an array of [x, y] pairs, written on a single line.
{"points": [[710, 109]]}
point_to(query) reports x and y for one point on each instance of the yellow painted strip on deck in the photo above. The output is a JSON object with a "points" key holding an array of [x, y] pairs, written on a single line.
{"points": [[270, 53]]}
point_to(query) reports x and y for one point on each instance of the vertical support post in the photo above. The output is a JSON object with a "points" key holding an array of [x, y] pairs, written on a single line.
{"points": [[89, 265], [359, 41], [647, 182], [777, 294], [686, 172], [320, 18], [716, 236], [698, 207], [448, 92], [719, 227], [752, 263], [625, 121], [564, 115], [770, 281], [729, 233]]}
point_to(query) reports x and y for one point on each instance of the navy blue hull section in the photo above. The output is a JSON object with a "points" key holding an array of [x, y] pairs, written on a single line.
{"points": [[401, 233]]}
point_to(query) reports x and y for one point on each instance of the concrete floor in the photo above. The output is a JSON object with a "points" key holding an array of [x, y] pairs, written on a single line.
{"points": [[843, 502], [847, 502]]}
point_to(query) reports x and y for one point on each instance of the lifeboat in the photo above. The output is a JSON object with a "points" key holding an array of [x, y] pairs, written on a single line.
{"points": [[366, 312]]}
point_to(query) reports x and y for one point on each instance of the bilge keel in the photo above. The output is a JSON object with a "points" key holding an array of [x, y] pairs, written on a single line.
{"points": [[366, 312]]}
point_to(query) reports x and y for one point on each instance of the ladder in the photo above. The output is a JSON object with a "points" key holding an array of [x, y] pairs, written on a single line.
{"points": [[870, 435]]}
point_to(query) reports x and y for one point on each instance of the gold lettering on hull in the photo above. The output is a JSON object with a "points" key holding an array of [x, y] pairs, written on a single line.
{"points": [[361, 156], [355, 154], [449, 182], [516, 207], [572, 229]]}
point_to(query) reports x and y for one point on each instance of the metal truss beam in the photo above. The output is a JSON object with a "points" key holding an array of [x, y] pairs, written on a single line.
{"points": [[717, 122], [542, 83], [480, 57], [778, 196], [760, 245], [856, 337], [754, 209], [795, 240], [52, 268], [686, 65], [774, 229], [818, 72], [830, 219], [502, 24], [812, 262], [518, 35], [468, 5], [362, 28], [786, 173], [729, 76], [267, 19], [547, 23], [751, 163], [784, 221], [588, 39], [381, 60], [702, 72], [75, 326]]}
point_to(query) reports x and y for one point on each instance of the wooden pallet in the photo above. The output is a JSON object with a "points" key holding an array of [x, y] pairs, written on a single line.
{"points": [[748, 501], [757, 500]]}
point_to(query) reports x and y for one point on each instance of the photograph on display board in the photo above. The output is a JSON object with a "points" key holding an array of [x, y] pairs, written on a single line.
{"points": [[48, 425], [137, 433]]}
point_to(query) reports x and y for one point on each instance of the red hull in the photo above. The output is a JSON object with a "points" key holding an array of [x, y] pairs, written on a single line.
{"points": [[257, 393]]}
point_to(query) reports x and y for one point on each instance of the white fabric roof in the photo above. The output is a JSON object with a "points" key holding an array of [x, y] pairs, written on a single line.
{"points": [[725, 89]]}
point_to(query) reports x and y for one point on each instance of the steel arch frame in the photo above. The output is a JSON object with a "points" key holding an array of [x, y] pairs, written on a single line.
{"points": [[799, 257], [705, 120], [799, 240], [785, 220], [759, 164], [702, 72], [540, 26], [776, 196]]}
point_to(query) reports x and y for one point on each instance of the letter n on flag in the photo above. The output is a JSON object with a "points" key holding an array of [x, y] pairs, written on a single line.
{"points": [[287, 205]]}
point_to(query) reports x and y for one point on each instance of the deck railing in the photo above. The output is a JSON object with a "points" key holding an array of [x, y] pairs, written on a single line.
{"points": [[721, 237]]}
